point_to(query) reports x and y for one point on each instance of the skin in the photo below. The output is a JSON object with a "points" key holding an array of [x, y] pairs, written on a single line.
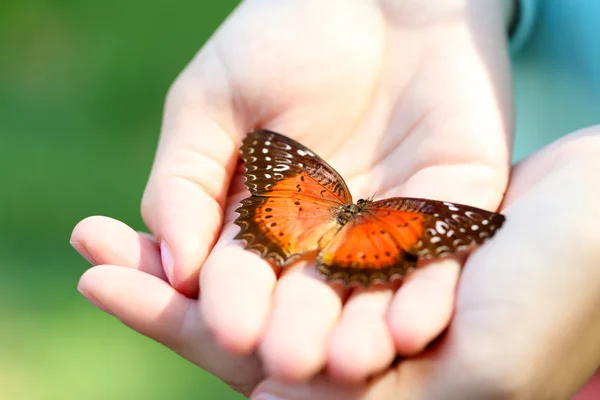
{"points": [[511, 296], [526, 323], [419, 91]]}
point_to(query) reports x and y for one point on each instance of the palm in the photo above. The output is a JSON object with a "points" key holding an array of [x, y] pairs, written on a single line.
{"points": [[371, 100], [420, 139], [523, 315], [375, 104]]}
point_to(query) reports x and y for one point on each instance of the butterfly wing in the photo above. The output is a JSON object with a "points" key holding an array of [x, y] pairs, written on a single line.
{"points": [[364, 251], [294, 197], [431, 229], [389, 236], [276, 163]]}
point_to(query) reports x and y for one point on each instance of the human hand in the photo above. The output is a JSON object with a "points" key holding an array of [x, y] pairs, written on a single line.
{"points": [[402, 98], [527, 320]]}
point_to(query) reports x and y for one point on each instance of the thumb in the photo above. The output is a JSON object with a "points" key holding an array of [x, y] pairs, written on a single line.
{"points": [[197, 153]]}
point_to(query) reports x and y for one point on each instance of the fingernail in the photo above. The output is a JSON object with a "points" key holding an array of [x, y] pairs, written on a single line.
{"points": [[93, 300], [83, 251], [260, 393], [266, 396], [167, 260]]}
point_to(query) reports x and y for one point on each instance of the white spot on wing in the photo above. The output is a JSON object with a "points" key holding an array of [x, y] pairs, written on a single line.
{"points": [[281, 168], [441, 227], [451, 206]]}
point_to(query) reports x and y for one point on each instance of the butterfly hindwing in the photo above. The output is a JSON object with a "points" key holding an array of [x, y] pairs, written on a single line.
{"points": [[364, 251], [280, 229], [431, 228]]}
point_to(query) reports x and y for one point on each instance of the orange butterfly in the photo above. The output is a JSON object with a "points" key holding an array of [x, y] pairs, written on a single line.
{"points": [[300, 204]]}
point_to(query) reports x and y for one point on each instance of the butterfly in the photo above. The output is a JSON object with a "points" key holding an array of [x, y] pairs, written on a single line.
{"points": [[299, 204]]}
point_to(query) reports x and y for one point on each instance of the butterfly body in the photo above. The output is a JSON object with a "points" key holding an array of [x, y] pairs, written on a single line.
{"points": [[349, 210], [300, 204]]}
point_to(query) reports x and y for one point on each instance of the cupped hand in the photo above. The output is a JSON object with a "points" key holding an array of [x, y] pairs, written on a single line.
{"points": [[527, 320], [401, 97]]}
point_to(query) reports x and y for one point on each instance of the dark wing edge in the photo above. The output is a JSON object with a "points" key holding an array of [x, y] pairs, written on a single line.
{"points": [[390, 261], [449, 227], [286, 156], [254, 239], [352, 276]]}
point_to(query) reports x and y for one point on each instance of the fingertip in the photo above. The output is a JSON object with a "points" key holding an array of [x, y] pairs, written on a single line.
{"points": [[319, 388], [90, 286], [423, 306], [290, 364], [141, 301], [181, 271], [305, 311], [236, 288], [361, 345], [167, 260], [104, 240], [342, 371], [81, 229], [239, 336], [409, 341], [187, 230]]}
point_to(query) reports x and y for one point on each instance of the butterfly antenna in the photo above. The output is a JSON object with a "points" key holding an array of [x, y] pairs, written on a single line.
{"points": [[373, 197]]}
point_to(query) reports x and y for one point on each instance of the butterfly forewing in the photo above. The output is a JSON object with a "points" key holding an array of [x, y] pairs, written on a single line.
{"points": [[294, 197], [277, 163], [438, 228]]}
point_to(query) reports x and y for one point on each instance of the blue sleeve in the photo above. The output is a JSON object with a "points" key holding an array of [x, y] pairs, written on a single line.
{"points": [[522, 31]]}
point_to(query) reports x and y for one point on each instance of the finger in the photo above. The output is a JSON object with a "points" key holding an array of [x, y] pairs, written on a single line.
{"points": [[236, 287], [424, 305], [362, 345], [422, 308], [103, 240], [305, 311], [197, 153], [153, 308], [581, 146], [322, 388], [544, 258]]}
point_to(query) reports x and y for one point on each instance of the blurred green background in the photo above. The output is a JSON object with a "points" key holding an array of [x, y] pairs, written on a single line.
{"points": [[82, 86]]}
